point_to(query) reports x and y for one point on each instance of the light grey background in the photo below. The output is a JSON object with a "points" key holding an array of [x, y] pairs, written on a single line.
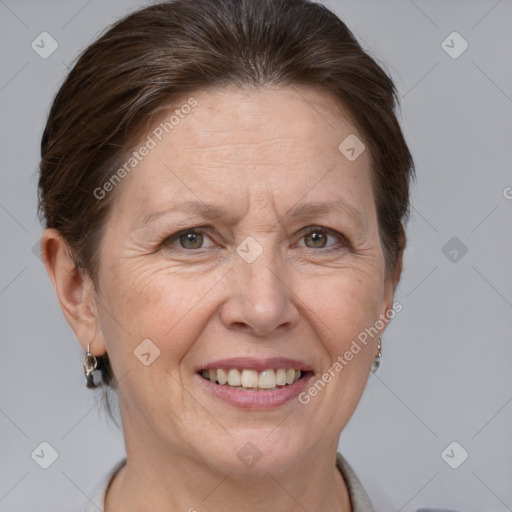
{"points": [[446, 371]]}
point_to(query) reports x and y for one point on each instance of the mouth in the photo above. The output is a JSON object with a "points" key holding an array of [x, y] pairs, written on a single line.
{"points": [[255, 384], [247, 379]]}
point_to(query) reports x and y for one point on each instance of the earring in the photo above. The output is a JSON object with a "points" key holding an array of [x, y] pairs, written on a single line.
{"points": [[90, 364], [376, 362]]}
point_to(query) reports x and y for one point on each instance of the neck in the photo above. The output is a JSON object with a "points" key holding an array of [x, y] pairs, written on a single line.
{"points": [[187, 485]]}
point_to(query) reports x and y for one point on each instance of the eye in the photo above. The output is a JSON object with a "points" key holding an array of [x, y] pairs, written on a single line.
{"points": [[316, 237], [191, 239]]}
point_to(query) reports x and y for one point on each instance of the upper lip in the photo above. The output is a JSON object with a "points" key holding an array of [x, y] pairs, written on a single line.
{"points": [[251, 363]]}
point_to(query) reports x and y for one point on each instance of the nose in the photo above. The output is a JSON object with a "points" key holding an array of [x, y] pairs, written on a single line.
{"points": [[261, 299]]}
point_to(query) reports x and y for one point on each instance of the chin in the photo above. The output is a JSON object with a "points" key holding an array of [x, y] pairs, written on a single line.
{"points": [[257, 452]]}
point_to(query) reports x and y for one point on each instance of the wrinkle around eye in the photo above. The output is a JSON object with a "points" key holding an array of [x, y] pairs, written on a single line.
{"points": [[341, 243]]}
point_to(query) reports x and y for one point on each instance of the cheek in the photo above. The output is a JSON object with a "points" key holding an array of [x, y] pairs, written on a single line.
{"points": [[341, 308], [344, 305], [158, 305]]}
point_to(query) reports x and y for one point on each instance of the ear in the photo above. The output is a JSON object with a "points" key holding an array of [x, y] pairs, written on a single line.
{"points": [[75, 291]]}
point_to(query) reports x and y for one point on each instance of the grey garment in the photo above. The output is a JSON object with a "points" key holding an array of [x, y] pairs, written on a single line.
{"points": [[358, 497]]}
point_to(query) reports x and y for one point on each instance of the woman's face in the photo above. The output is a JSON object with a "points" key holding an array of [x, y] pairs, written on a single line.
{"points": [[248, 277]]}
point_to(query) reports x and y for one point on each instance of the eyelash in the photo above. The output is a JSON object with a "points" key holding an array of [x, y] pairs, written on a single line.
{"points": [[308, 231]]}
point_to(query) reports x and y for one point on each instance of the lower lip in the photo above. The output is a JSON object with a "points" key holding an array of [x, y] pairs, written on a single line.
{"points": [[260, 400]]}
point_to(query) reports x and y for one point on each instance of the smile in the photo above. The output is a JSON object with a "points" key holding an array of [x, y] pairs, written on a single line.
{"points": [[252, 389], [252, 380]]}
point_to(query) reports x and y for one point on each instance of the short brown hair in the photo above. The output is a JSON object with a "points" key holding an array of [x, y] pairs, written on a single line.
{"points": [[145, 61]]}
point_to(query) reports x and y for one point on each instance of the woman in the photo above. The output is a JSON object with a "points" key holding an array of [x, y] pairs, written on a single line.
{"points": [[225, 186]]}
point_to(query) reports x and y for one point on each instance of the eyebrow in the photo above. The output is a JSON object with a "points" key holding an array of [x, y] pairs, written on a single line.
{"points": [[215, 212], [209, 211], [309, 209]]}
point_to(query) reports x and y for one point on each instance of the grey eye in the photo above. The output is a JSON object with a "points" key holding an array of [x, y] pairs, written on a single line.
{"points": [[193, 239], [317, 237]]}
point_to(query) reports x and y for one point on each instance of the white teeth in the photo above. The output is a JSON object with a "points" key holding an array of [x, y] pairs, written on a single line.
{"points": [[251, 380], [267, 379], [234, 377], [222, 376], [281, 377]]}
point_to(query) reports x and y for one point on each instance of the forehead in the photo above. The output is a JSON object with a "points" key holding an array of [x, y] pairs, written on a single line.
{"points": [[273, 119], [232, 141]]}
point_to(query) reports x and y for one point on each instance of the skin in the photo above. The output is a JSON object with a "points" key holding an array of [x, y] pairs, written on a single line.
{"points": [[258, 153]]}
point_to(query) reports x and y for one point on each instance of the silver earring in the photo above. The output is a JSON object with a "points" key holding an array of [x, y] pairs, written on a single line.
{"points": [[376, 362], [90, 364]]}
